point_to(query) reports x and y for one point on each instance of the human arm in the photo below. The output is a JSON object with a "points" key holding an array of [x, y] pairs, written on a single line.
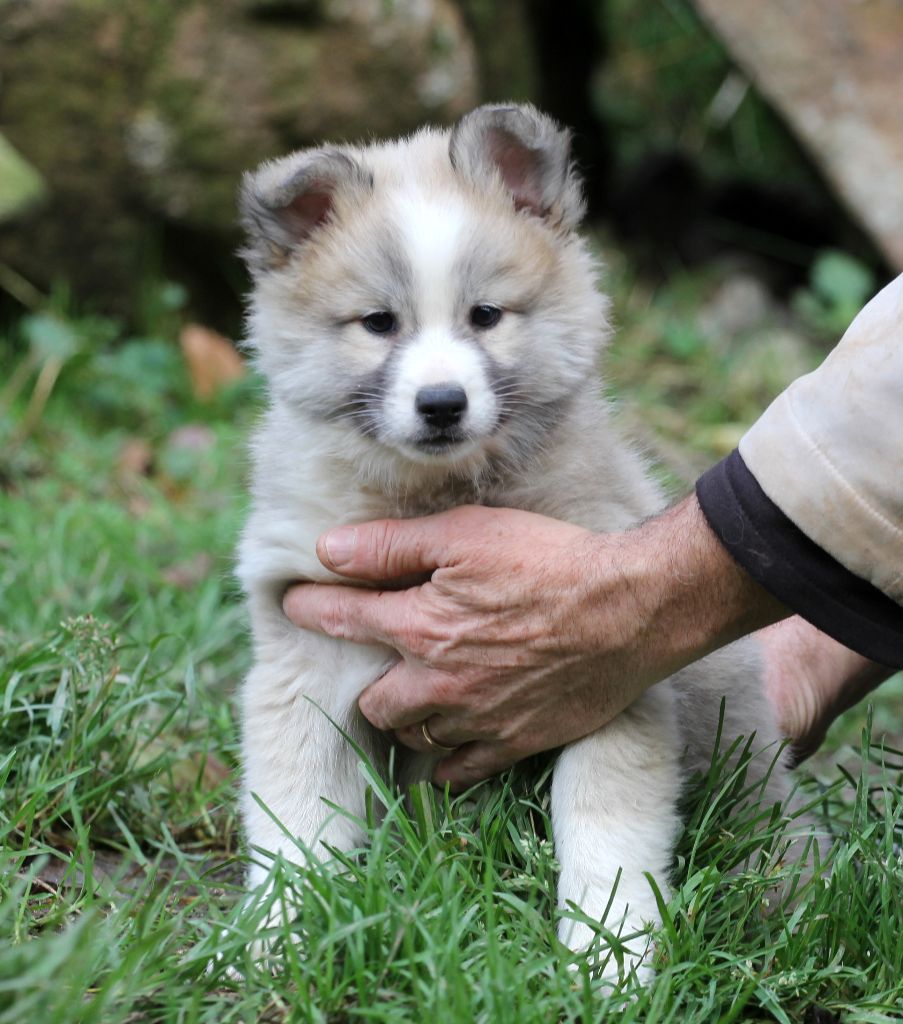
{"points": [[828, 452]]}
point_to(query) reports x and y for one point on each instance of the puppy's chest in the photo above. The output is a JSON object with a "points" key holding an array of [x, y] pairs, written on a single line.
{"points": [[316, 509], [528, 493], [282, 534], [410, 505]]}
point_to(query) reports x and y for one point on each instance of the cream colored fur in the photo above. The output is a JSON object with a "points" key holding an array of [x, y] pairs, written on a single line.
{"points": [[428, 227]]}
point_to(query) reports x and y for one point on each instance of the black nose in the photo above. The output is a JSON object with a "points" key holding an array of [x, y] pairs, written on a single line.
{"points": [[441, 406]]}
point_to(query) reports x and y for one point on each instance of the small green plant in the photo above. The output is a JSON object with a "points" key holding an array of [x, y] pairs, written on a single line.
{"points": [[839, 287]]}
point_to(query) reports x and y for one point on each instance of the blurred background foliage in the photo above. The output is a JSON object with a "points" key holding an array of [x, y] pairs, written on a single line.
{"points": [[124, 130]]}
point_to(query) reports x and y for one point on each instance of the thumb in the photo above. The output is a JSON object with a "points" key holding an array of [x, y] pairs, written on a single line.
{"points": [[387, 549]]}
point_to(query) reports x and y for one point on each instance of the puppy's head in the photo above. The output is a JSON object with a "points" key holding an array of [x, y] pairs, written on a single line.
{"points": [[431, 294]]}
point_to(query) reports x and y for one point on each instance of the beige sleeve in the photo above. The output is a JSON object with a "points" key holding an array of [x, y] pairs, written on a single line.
{"points": [[829, 450]]}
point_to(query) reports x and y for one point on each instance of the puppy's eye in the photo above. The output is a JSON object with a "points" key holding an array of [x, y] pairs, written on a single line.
{"points": [[382, 322], [485, 316]]}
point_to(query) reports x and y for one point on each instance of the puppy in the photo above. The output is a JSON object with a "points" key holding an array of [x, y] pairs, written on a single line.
{"points": [[428, 320]]}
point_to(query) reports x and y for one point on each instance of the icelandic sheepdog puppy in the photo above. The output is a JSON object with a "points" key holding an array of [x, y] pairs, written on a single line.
{"points": [[429, 324]]}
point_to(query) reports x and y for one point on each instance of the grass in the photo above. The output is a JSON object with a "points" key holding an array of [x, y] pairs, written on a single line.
{"points": [[121, 645]]}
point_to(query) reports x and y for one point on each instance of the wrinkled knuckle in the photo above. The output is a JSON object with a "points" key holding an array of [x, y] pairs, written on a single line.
{"points": [[380, 545], [455, 636], [333, 619], [440, 640]]}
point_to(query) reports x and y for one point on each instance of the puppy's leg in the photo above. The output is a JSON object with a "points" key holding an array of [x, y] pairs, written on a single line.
{"points": [[725, 691], [614, 815], [297, 704]]}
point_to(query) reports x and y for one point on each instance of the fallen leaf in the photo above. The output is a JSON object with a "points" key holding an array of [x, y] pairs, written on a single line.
{"points": [[135, 458], [211, 358]]}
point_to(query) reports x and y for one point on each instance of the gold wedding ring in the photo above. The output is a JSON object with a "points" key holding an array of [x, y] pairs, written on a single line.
{"points": [[424, 728]]}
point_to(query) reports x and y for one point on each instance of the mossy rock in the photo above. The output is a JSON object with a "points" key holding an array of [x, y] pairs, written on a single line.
{"points": [[142, 117]]}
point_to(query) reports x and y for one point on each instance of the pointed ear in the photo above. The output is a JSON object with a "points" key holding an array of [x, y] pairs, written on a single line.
{"points": [[284, 201], [531, 154]]}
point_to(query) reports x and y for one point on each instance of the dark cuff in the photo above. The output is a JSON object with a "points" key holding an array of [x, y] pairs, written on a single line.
{"points": [[779, 556]]}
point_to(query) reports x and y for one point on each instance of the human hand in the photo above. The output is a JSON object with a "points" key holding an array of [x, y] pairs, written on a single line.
{"points": [[530, 632], [811, 679], [498, 646]]}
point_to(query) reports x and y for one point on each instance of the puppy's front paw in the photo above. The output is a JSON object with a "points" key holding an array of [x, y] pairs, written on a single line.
{"points": [[254, 943], [278, 929], [615, 962]]}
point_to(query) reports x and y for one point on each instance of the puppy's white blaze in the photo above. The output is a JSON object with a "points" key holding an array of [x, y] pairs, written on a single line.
{"points": [[433, 232], [436, 358]]}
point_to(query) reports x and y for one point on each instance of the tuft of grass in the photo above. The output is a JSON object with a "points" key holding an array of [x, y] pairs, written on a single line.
{"points": [[447, 913]]}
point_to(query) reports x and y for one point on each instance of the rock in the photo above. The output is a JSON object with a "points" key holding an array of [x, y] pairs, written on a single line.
{"points": [[832, 68], [739, 304], [144, 115], [766, 363]]}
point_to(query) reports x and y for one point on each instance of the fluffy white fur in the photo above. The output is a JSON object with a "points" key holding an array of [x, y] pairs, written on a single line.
{"points": [[427, 228]]}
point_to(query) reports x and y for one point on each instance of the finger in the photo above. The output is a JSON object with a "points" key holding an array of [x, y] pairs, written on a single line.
{"points": [[348, 613], [402, 698], [430, 736], [471, 764], [388, 548]]}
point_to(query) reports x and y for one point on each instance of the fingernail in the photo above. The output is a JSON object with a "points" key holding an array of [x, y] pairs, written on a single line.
{"points": [[340, 544]]}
